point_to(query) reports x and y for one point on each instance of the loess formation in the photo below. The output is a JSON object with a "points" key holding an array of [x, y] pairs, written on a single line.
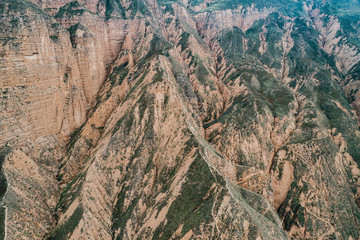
{"points": [[179, 119]]}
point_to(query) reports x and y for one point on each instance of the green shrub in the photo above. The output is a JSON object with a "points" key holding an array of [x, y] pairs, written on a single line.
{"points": [[54, 38], [62, 232]]}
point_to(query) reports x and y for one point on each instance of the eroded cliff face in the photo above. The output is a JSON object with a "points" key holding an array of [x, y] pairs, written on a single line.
{"points": [[179, 120], [50, 78]]}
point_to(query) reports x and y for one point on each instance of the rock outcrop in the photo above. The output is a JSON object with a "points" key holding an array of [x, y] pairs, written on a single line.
{"points": [[141, 119]]}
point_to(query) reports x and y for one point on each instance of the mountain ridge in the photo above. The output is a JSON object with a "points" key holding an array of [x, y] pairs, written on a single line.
{"points": [[181, 119]]}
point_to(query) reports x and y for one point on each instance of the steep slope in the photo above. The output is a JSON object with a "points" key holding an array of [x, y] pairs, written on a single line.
{"points": [[49, 78], [194, 119]]}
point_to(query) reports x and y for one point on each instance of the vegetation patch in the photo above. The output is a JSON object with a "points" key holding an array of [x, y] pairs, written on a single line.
{"points": [[4, 151], [114, 5], [71, 9], [202, 74], [70, 192], [232, 42], [119, 73], [184, 38], [75, 135], [54, 38], [158, 46], [3, 183], [67, 228], [158, 77], [290, 216], [292, 8], [2, 222], [122, 215], [193, 206], [66, 77], [116, 9]]}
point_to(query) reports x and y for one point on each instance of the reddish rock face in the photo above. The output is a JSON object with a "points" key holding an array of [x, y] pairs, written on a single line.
{"points": [[139, 119]]}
